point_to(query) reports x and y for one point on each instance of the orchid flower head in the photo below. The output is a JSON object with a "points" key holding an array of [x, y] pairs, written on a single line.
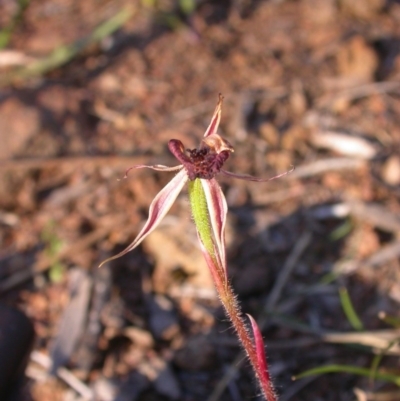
{"points": [[203, 163], [198, 167]]}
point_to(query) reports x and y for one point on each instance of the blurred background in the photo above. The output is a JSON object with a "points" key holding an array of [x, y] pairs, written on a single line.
{"points": [[90, 88]]}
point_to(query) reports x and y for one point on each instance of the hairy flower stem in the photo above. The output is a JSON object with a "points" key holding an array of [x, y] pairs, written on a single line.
{"points": [[228, 299], [232, 309]]}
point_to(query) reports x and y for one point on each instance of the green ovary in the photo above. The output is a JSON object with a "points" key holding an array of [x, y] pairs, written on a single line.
{"points": [[198, 203]]}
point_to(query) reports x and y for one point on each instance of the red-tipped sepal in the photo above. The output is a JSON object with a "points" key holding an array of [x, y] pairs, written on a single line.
{"points": [[262, 366]]}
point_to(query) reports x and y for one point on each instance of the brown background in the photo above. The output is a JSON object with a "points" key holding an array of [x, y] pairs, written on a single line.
{"points": [[314, 84]]}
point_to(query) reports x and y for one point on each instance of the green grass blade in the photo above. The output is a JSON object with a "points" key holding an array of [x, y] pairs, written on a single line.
{"points": [[389, 377], [349, 310], [6, 33], [340, 232], [377, 360], [64, 54], [390, 320]]}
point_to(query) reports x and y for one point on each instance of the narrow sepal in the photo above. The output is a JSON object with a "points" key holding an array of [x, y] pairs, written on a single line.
{"points": [[158, 209], [247, 177], [216, 118], [157, 167]]}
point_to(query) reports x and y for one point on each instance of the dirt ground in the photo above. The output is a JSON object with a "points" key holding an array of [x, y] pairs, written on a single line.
{"points": [[313, 84]]}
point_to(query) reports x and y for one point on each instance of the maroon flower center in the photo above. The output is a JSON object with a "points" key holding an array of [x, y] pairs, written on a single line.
{"points": [[199, 163]]}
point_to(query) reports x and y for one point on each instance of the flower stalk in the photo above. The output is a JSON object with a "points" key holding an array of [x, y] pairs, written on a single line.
{"points": [[254, 349], [198, 168]]}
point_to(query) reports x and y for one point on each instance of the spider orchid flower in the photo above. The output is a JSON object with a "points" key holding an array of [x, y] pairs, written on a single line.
{"points": [[198, 168]]}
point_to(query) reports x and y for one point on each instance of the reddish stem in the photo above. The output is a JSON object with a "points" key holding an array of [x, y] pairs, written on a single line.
{"points": [[258, 362]]}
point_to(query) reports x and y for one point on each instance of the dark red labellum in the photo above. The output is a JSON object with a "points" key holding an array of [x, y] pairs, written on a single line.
{"points": [[199, 163]]}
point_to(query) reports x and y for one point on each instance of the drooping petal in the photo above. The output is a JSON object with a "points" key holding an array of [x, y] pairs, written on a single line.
{"points": [[252, 178], [212, 128], [217, 210], [262, 367], [157, 167], [158, 209]]}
